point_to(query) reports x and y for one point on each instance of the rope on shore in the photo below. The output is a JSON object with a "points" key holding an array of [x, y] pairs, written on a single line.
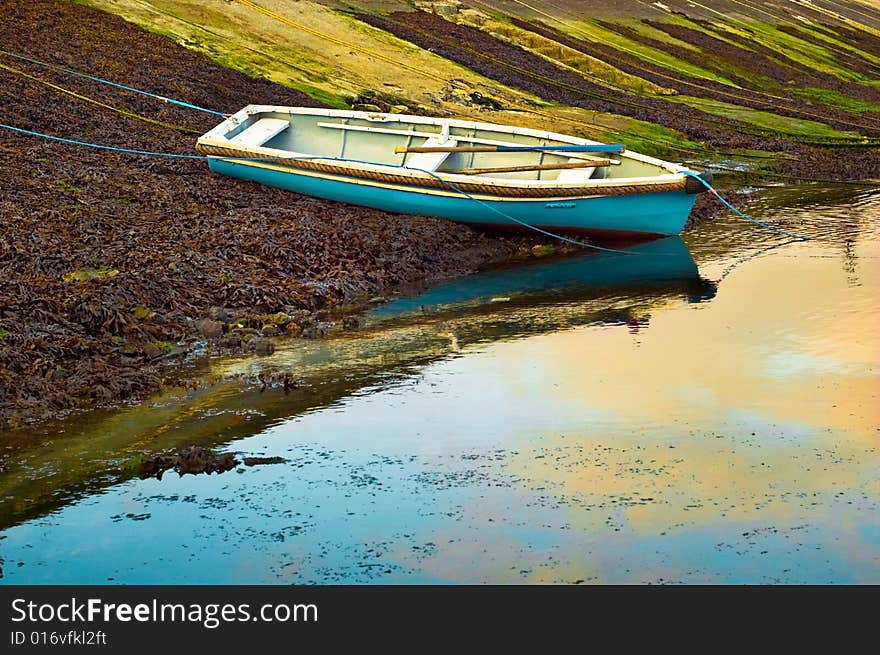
{"points": [[148, 153], [79, 96], [70, 71], [446, 183], [736, 211], [98, 146]]}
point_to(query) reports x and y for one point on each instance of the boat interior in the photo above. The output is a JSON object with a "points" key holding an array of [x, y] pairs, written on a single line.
{"points": [[373, 138]]}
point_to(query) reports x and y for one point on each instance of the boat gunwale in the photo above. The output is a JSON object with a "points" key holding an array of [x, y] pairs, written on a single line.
{"points": [[216, 138]]}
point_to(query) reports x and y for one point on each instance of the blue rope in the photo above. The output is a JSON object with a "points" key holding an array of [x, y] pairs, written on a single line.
{"points": [[149, 153], [724, 202], [109, 83], [99, 146]]}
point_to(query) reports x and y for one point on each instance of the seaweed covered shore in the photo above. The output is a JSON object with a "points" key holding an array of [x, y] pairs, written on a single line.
{"points": [[113, 265]]}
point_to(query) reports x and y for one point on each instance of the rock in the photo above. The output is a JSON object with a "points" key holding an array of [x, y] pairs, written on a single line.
{"points": [[352, 322], [368, 107], [220, 314], [270, 330], [485, 101], [210, 329], [311, 332], [280, 318], [447, 9], [293, 329], [233, 342], [543, 250], [193, 460], [263, 346], [257, 461], [399, 109], [152, 351]]}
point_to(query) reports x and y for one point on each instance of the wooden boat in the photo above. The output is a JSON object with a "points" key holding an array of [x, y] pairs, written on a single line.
{"points": [[482, 174]]}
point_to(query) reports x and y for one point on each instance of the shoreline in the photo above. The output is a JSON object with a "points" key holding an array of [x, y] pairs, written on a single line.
{"points": [[113, 267]]}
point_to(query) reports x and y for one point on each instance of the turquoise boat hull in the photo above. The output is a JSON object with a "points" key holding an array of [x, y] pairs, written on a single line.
{"points": [[633, 215]]}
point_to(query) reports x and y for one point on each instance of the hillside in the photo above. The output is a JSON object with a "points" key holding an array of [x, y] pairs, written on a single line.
{"points": [[777, 87]]}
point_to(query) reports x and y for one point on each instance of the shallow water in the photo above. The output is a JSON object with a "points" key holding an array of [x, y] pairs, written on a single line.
{"points": [[702, 412]]}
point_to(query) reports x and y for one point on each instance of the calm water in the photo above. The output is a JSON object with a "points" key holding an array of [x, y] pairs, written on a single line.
{"points": [[703, 412]]}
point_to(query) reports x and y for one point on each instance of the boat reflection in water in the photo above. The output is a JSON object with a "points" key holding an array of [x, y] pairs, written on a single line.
{"points": [[652, 269]]}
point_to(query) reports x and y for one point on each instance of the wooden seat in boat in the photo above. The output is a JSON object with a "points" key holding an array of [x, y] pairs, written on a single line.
{"points": [[261, 131], [575, 174], [430, 161]]}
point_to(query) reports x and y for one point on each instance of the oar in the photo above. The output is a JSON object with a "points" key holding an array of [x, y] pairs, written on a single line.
{"points": [[599, 147], [535, 167]]}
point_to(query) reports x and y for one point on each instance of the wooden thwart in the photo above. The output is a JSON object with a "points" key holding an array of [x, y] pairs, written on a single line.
{"points": [[534, 167]]}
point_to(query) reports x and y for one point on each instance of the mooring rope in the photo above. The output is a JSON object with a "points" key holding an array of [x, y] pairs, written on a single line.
{"points": [[660, 142], [79, 96], [736, 211], [99, 146], [149, 153], [70, 71]]}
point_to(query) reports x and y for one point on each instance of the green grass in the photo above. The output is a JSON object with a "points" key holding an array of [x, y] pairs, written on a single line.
{"points": [[584, 64], [823, 36], [800, 51], [681, 21], [659, 35], [323, 96], [783, 125], [836, 100], [656, 140], [596, 32]]}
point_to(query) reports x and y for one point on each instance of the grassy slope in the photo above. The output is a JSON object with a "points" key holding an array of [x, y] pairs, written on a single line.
{"points": [[336, 59], [350, 59]]}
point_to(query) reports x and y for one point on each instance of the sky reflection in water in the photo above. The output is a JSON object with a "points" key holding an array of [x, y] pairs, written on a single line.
{"points": [[627, 430]]}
